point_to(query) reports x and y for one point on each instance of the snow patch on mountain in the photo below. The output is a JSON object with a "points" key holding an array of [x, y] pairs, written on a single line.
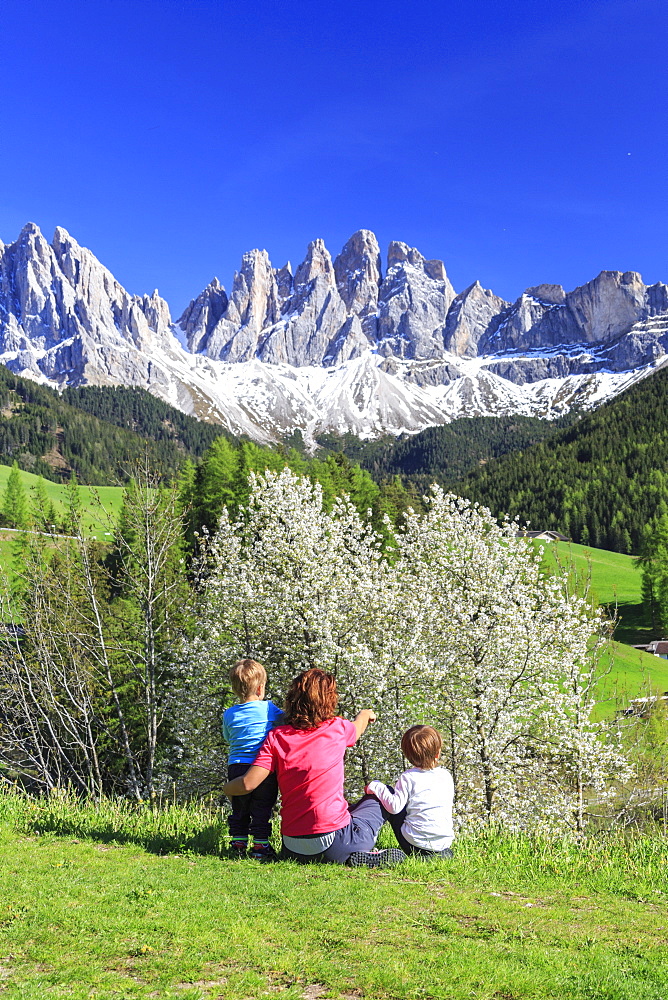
{"points": [[336, 347]]}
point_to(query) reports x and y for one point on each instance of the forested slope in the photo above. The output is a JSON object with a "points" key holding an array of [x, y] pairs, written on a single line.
{"points": [[137, 410], [444, 454], [96, 433], [599, 481]]}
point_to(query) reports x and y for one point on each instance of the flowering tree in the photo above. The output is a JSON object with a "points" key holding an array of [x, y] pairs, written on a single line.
{"points": [[294, 586], [512, 654], [458, 626]]}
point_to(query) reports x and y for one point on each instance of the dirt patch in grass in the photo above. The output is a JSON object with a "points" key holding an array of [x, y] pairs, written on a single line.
{"points": [[315, 991]]}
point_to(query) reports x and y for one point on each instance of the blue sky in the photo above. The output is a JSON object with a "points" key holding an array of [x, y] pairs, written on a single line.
{"points": [[521, 142]]}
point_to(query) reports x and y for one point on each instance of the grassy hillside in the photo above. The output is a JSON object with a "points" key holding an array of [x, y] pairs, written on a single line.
{"points": [[616, 581], [613, 574], [94, 905], [110, 497]]}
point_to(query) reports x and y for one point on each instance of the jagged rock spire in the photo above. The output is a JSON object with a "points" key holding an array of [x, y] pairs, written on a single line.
{"points": [[469, 318], [406, 338], [413, 304], [201, 316], [358, 277]]}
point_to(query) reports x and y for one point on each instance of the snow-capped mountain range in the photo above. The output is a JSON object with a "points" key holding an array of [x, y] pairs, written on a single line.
{"points": [[337, 346]]}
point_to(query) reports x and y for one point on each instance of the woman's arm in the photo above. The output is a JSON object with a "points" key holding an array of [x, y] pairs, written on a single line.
{"points": [[362, 720], [253, 777]]}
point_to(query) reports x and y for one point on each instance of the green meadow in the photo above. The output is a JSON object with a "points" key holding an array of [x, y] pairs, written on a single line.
{"points": [[613, 575], [100, 503], [97, 903], [614, 582]]}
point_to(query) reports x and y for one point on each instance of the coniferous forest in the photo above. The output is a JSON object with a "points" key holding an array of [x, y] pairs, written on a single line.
{"points": [[599, 482], [95, 433], [447, 453], [598, 478]]}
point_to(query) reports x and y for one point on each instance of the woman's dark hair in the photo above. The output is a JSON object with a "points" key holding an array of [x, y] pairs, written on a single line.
{"points": [[311, 699]]}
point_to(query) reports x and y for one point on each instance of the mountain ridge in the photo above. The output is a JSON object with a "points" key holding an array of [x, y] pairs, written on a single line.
{"points": [[339, 346]]}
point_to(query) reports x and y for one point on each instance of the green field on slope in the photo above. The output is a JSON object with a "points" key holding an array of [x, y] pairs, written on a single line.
{"points": [[613, 575], [95, 516], [615, 582]]}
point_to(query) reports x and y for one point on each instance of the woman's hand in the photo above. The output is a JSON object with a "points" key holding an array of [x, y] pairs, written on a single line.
{"points": [[362, 720]]}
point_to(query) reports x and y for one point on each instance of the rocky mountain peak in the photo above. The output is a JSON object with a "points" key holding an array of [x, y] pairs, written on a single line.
{"points": [[254, 298], [156, 311], [61, 238], [399, 346], [413, 303], [554, 294], [358, 277], [436, 270], [472, 316], [284, 282], [30, 229], [609, 305], [253, 305], [316, 264], [200, 317], [398, 252]]}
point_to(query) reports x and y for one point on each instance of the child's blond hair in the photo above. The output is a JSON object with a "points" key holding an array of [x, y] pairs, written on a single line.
{"points": [[246, 677]]}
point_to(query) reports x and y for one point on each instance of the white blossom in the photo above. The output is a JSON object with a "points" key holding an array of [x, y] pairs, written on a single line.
{"points": [[457, 626]]}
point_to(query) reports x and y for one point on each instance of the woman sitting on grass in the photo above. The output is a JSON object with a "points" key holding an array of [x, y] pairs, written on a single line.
{"points": [[306, 754]]}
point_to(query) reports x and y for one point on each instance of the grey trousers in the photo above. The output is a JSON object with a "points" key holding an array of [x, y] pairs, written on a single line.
{"points": [[361, 833]]}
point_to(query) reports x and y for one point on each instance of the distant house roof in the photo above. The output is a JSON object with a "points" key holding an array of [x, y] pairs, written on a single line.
{"points": [[546, 536], [659, 647], [643, 706]]}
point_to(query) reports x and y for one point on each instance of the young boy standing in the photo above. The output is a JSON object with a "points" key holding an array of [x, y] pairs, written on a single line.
{"points": [[419, 807], [245, 726]]}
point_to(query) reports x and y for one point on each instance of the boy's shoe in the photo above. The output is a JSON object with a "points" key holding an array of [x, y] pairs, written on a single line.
{"points": [[263, 852], [376, 859], [238, 848]]}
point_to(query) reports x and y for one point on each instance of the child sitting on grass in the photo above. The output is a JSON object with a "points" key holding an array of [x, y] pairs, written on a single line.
{"points": [[245, 726], [419, 807]]}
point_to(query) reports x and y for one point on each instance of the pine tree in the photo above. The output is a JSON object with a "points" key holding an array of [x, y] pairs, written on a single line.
{"points": [[15, 509], [653, 563], [74, 505], [42, 508]]}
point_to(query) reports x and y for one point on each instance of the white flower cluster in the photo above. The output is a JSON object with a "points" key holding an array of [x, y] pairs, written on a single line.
{"points": [[456, 625]]}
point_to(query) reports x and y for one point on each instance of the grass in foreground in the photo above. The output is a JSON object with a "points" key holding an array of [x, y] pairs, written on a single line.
{"points": [[102, 916]]}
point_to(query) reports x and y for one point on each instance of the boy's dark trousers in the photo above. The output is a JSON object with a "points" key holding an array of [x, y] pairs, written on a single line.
{"points": [[251, 813]]}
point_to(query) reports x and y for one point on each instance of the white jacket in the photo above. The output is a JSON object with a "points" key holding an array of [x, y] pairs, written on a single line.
{"points": [[427, 796]]}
